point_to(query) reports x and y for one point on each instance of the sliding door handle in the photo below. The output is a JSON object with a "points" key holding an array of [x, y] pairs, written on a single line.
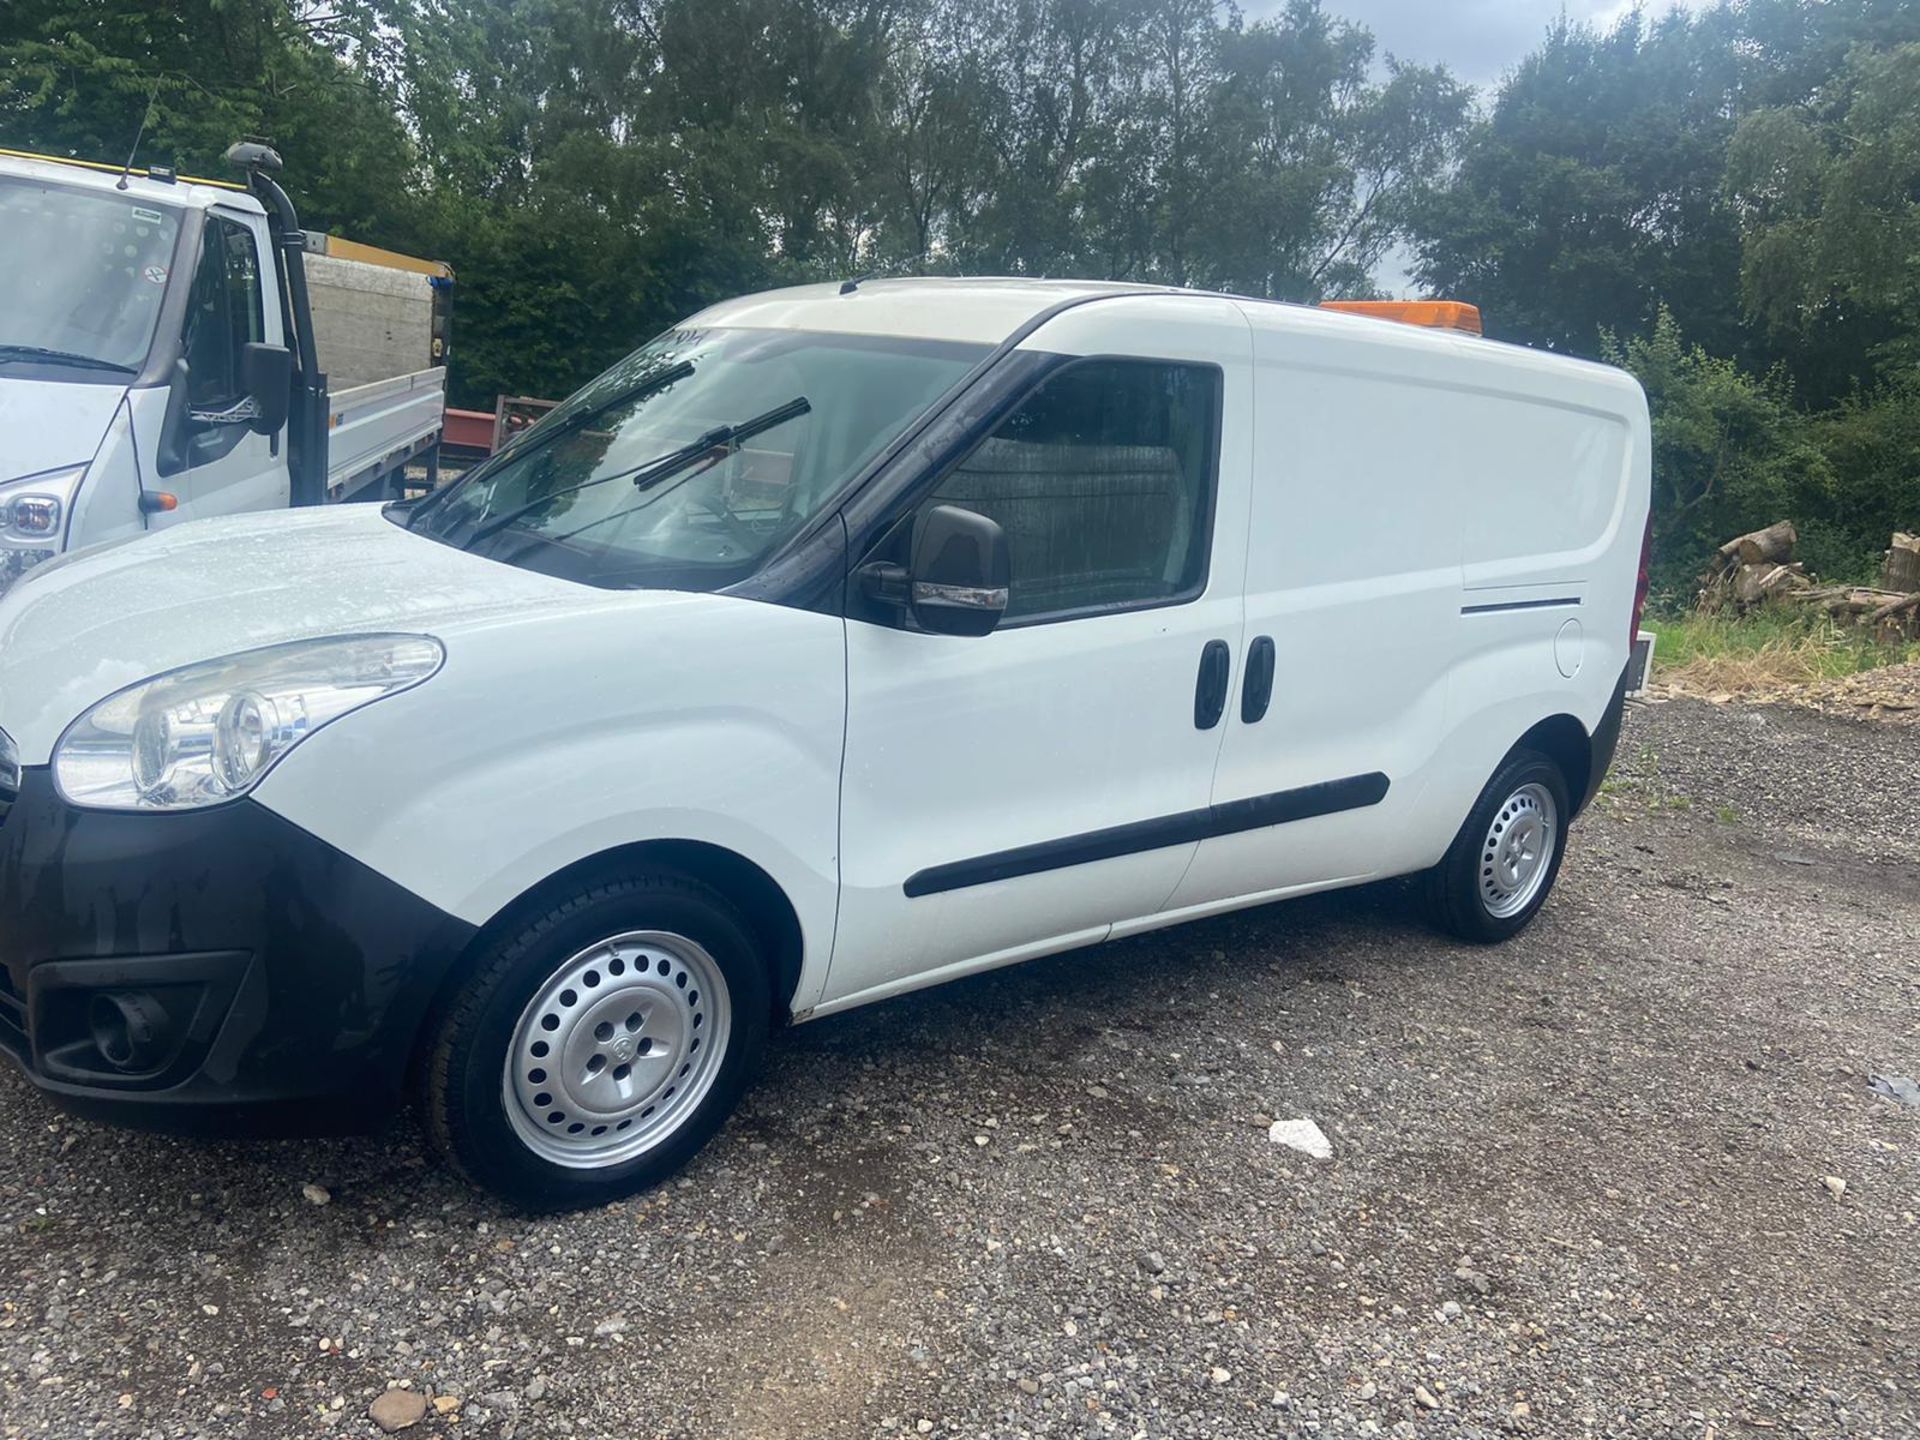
{"points": [[1210, 692], [1256, 691]]}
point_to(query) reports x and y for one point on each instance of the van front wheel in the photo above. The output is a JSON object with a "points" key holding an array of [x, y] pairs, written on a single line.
{"points": [[599, 1043], [1504, 861]]}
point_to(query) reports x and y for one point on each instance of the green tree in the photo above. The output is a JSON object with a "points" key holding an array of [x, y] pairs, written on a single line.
{"points": [[1742, 163], [1830, 193], [1730, 452], [1591, 193], [79, 77], [596, 169], [1313, 168], [1872, 445]]}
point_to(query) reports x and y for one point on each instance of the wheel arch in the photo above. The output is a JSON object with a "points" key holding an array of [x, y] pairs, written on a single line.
{"points": [[763, 905], [1565, 741]]}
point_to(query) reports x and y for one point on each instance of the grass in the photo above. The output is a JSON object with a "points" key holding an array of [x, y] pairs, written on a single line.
{"points": [[1635, 783], [1767, 648]]}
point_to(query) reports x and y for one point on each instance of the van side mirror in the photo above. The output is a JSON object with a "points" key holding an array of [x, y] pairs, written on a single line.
{"points": [[959, 573], [267, 373]]}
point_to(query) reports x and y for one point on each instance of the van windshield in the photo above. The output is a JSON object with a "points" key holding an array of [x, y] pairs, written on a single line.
{"points": [[85, 273], [684, 465]]}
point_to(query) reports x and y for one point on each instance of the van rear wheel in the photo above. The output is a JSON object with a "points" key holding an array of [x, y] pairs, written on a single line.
{"points": [[1502, 864], [599, 1043]]}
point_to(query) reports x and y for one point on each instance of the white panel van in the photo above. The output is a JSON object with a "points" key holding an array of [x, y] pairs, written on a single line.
{"points": [[840, 641]]}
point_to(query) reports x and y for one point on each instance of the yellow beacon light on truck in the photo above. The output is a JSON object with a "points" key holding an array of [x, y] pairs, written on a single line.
{"points": [[1433, 314]]}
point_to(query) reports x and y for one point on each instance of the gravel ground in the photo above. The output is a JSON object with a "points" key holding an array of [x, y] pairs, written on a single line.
{"points": [[1578, 1184]]}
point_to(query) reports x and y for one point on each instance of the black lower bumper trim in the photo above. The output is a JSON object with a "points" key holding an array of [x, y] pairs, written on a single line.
{"points": [[1605, 741], [289, 981]]}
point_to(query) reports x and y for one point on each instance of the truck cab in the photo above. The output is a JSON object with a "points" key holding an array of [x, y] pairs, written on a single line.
{"points": [[152, 348]]}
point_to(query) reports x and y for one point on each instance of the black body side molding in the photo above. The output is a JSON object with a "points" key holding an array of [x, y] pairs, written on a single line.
{"points": [[1257, 812], [1499, 606]]}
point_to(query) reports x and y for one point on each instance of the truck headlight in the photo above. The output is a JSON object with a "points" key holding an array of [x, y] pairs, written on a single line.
{"points": [[33, 519], [207, 733]]}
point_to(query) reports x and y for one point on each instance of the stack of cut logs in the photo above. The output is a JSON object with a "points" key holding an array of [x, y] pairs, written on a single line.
{"points": [[1758, 569]]}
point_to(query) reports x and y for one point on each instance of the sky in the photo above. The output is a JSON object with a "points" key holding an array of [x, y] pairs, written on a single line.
{"points": [[1477, 39]]}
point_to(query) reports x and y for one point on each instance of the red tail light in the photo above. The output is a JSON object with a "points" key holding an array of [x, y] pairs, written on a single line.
{"points": [[1640, 585]]}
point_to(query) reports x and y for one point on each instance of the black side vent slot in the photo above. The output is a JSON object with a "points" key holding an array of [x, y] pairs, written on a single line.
{"points": [[9, 774]]}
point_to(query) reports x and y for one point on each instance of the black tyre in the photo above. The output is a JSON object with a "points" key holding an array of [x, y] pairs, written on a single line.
{"points": [[1502, 865], [597, 1045]]}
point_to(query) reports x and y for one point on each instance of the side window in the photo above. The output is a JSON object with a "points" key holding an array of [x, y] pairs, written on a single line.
{"points": [[1103, 481], [223, 313]]}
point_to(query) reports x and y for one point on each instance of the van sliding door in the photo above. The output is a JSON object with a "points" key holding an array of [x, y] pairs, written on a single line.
{"points": [[1353, 603]]}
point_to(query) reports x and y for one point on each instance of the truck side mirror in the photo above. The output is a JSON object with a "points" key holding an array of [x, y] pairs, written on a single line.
{"points": [[266, 371], [960, 571]]}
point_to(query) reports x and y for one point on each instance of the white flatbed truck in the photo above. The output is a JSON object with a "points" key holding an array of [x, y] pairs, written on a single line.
{"points": [[175, 348]]}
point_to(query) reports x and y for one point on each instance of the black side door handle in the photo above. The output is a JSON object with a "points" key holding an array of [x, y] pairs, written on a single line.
{"points": [[1210, 693], [1256, 691]]}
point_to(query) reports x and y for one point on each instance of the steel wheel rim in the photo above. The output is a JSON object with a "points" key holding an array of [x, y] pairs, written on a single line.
{"points": [[616, 1049], [1517, 852]]}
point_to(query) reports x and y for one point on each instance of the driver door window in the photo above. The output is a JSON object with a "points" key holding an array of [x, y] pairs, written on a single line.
{"points": [[209, 456], [223, 314], [1102, 480]]}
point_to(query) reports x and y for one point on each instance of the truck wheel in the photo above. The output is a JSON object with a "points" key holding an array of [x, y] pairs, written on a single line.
{"points": [[599, 1043], [1503, 863]]}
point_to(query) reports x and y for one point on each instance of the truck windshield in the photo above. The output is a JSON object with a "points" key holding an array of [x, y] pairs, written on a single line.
{"points": [[689, 461], [84, 275]]}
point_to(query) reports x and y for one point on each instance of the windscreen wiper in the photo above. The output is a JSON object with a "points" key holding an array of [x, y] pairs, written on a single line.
{"points": [[45, 356], [525, 443], [542, 435], [721, 437]]}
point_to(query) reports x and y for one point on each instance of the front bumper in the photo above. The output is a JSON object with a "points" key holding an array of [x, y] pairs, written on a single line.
{"points": [[281, 984]]}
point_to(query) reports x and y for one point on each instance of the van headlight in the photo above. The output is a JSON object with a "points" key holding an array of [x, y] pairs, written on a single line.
{"points": [[207, 733], [33, 519]]}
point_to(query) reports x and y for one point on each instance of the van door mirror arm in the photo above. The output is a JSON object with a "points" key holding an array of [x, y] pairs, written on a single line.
{"points": [[886, 583]]}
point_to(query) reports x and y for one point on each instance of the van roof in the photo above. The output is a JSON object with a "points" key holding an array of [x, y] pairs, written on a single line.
{"points": [[988, 310], [181, 192], [188, 191], [983, 311]]}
